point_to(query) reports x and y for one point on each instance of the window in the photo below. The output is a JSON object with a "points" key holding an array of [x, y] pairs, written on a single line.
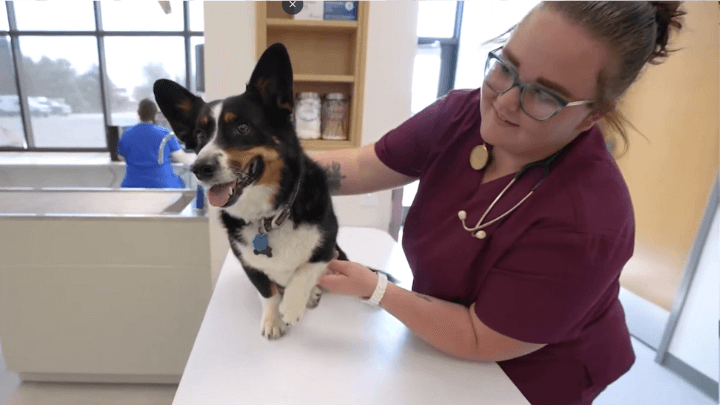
{"points": [[197, 22], [426, 76], [197, 48], [134, 63], [77, 75], [436, 19], [11, 128], [3, 19], [54, 16], [438, 40], [141, 16], [63, 92]]}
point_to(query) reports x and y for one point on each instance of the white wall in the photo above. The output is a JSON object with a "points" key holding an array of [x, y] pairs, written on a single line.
{"points": [[392, 42], [695, 341]]}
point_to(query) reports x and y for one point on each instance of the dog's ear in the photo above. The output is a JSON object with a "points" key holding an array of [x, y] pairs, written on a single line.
{"points": [[272, 79], [180, 107]]}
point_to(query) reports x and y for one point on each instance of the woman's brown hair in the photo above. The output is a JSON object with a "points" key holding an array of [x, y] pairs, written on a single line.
{"points": [[636, 33]]}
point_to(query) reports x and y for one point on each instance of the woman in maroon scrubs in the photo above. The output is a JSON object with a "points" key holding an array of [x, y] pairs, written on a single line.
{"points": [[536, 290]]}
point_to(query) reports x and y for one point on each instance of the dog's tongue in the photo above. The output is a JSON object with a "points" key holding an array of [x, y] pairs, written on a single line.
{"points": [[219, 194]]}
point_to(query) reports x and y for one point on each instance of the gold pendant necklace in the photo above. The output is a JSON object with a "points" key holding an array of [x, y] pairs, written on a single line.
{"points": [[479, 157]]}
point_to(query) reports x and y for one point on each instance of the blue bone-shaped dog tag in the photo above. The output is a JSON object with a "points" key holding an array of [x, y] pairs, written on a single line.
{"points": [[260, 243]]}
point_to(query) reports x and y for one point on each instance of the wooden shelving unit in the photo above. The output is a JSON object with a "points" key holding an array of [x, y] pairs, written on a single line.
{"points": [[312, 24], [327, 57], [325, 78]]}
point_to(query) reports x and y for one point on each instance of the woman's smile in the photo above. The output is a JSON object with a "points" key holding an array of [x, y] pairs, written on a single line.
{"points": [[502, 120]]}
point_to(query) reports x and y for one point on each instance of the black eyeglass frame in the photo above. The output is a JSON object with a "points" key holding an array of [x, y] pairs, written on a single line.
{"points": [[523, 85]]}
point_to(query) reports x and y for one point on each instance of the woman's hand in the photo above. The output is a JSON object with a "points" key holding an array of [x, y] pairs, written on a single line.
{"points": [[348, 278]]}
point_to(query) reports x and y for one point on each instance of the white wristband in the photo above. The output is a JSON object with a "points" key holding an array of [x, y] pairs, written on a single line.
{"points": [[379, 292]]}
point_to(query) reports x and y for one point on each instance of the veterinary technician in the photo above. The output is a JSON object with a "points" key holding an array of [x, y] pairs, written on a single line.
{"points": [[148, 149], [522, 221]]}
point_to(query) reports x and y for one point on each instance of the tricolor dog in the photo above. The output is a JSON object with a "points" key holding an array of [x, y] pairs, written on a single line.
{"points": [[275, 200]]}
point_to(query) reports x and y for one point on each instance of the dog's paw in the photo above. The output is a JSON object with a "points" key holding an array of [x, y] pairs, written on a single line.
{"points": [[291, 311], [272, 327], [315, 296]]}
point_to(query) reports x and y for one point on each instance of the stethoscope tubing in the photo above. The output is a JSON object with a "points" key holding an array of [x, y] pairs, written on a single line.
{"points": [[479, 227], [545, 164]]}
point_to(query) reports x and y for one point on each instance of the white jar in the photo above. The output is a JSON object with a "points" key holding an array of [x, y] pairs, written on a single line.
{"points": [[335, 117], [307, 115]]}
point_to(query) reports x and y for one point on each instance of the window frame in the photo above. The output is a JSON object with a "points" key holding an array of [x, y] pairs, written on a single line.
{"points": [[99, 34], [449, 51]]}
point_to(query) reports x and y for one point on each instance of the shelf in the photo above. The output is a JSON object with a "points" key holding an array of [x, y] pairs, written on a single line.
{"points": [[321, 144], [312, 24], [327, 56], [325, 78]]}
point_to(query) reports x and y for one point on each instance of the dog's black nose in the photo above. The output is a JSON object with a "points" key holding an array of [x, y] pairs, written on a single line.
{"points": [[204, 170]]}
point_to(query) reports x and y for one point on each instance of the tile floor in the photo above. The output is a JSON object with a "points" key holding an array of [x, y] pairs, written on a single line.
{"points": [[646, 383]]}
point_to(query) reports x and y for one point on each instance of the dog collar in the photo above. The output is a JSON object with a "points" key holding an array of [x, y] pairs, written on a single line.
{"points": [[260, 242], [268, 224]]}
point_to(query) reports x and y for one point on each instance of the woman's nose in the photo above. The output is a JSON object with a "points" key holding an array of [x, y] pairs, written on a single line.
{"points": [[509, 101]]}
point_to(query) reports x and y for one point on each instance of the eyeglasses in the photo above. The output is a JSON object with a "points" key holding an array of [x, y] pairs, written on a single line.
{"points": [[537, 102]]}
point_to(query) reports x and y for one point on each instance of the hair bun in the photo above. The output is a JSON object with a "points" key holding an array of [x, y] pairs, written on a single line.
{"points": [[668, 16]]}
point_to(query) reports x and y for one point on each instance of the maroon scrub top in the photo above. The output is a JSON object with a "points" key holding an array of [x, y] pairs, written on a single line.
{"points": [[548, 273]]}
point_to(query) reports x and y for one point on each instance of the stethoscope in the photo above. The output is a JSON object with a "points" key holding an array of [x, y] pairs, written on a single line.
{"points": [[546, 164]]}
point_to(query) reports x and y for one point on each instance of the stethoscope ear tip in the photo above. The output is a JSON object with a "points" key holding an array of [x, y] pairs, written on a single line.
{"points": [[462, 215]]}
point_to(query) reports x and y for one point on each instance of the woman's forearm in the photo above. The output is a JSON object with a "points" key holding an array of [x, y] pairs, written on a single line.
{"points": [[444, 325], [341, 169]]}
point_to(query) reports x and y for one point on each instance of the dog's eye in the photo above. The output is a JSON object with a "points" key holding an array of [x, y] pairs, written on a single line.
{"points": [[243, 129]]}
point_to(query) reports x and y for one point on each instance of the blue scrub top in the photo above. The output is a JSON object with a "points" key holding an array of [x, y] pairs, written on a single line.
{"points": [[139, 146]]}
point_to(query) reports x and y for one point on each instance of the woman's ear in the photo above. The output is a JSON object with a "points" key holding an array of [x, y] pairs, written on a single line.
{"points": [[594, 116]]}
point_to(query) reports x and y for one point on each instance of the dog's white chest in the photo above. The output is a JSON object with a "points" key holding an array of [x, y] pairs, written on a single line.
{"points": [[254, 202], [290, 249]]}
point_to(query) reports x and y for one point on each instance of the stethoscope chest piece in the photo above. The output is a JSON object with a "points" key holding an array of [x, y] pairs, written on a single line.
{"points": [[479, 157], [480, 234]]}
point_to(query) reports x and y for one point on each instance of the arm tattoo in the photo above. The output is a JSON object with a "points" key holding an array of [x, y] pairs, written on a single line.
{"points": [[334, 177]]}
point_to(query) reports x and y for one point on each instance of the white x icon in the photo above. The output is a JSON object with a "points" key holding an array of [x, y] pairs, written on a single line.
{"points": [[292, 4]]}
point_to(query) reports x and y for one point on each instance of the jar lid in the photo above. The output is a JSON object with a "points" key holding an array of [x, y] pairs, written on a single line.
{"points": [[335, 96], [308, 95]]}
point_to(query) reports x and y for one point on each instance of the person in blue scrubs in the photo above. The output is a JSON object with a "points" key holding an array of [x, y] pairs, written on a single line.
{"points": [[141, 147]]}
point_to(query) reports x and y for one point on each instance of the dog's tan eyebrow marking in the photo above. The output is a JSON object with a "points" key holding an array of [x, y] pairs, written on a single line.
{"points": [[204, 120], [229, 117]]}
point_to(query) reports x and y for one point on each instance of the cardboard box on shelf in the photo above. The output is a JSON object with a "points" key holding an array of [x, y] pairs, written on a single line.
{"points": [[341, 10]]}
